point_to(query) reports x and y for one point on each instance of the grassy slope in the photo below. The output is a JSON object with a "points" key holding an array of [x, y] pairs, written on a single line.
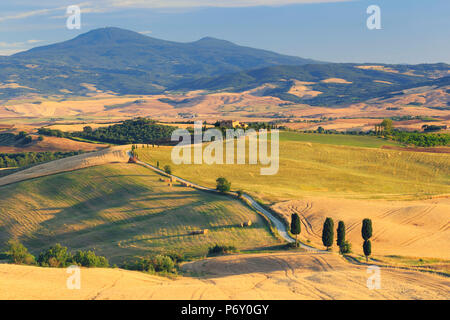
{"points": [[337, 139], [123, 210], [313, 169]]}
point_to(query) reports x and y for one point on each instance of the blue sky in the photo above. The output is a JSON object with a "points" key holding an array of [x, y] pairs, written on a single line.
{"points": [[413, 31]]}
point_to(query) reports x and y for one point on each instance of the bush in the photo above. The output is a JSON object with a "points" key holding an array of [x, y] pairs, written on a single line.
{"points": [[158, 263], [56, 257], [18, 253], [221, 249], [345, 248], [223, 185], [27, 140], [167, 169], [163, 263], [90, 259]]}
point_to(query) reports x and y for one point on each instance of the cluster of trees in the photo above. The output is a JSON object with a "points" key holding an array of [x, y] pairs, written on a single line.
{"points": [[53, 133], [12, 160], [56, 257], [432, 127], [328, 234], [421, 139], [386, 129], [152, 264], [139, 130], [21, 138]]}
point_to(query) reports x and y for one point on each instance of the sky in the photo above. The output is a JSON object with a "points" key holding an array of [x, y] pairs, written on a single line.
{"points": [[412, 31]]}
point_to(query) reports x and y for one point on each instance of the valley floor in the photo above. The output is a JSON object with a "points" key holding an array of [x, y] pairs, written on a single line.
{"points": [[256, 276]]}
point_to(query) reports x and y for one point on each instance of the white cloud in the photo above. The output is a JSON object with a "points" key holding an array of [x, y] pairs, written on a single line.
{"points": [[8, 52], [8, 48], [27, 14], [34, 41], [101, 6], [145, 32]]}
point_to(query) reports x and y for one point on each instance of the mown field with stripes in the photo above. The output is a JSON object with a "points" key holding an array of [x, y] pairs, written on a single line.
{"points": [[124, 210]]}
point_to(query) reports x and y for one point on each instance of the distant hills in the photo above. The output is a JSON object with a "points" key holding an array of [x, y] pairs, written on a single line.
{"points": [[337, 83], [125, 62]]}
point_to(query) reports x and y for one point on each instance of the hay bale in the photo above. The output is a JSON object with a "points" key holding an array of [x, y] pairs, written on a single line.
{"points": [[197, 232], [246, 223]]}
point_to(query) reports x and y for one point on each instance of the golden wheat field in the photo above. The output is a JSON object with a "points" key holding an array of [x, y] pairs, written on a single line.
{"points": [[279, 276]]}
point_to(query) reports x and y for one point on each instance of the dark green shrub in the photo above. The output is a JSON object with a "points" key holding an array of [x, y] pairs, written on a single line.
{"points": [[90, 259], [56, 256], [223, 185], [345, 247], [221, 249]]}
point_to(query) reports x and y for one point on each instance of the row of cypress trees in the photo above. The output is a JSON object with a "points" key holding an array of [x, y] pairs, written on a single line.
{"points": [[328, 234]]}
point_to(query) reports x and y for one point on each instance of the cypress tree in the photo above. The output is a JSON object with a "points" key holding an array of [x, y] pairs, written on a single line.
{"points": [[340, 234], [328, 233], [295, 227], [366, 230], [367, 247]]}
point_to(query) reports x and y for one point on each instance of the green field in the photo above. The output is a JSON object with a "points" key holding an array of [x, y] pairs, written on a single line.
{"points": [[124, 210], [337, 139], [319, 169]]}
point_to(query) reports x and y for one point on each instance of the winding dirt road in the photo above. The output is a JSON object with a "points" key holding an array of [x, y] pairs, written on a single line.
{"points": [[278, 224]]}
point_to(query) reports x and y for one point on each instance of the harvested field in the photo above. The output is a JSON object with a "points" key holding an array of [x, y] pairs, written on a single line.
{"points": [[407, 228], [113, 154], [49, 144], [271, 276]]}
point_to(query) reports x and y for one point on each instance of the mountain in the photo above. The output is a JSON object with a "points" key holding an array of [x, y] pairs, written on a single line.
{"points": [[124, 61], [327, 84]]}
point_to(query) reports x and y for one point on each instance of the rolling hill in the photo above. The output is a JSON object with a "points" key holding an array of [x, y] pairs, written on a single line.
{"points": [[124, 210]]}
